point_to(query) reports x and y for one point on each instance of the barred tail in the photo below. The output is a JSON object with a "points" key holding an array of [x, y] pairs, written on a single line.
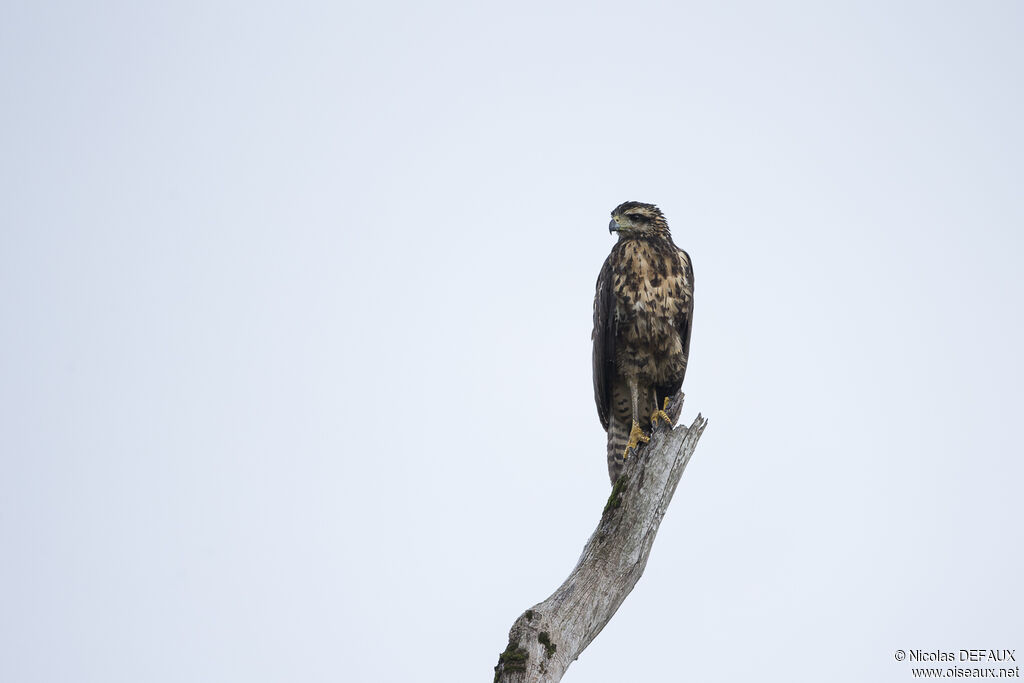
{"points": [[618, 436]]}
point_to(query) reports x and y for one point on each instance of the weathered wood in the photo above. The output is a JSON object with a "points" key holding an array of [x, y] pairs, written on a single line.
{"points": [[549, 636]]}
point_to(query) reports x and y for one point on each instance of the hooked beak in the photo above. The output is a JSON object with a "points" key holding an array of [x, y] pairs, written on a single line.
{"points": [[613, 226]]}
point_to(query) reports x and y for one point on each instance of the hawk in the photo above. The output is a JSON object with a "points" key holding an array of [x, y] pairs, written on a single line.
{"points": [[643, 313]]}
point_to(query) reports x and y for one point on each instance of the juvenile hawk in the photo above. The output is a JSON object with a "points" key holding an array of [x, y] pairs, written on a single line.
{"points": [[643, 312]]}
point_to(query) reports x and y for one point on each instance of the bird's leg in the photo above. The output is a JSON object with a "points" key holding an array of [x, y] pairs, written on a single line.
{"points": [[636, 436], [661, 414]]}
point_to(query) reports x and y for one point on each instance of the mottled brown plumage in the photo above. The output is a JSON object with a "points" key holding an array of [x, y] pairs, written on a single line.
{"points": [[643, 313]]}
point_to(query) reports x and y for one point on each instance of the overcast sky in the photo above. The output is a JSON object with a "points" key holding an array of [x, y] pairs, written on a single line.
{"points": [[295, 310]]}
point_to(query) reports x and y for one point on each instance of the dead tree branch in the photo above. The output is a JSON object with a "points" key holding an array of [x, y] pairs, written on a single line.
{"points": [[549, 636]]}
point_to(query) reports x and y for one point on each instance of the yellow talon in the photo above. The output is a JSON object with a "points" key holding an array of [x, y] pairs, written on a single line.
{"points": [[661, 414], [636, 436]]}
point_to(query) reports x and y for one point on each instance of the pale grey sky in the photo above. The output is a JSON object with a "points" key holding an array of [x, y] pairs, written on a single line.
{"points": [[271, 272]]}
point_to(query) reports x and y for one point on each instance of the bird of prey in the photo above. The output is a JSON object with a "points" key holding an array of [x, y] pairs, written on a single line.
{"points": [[643, 313]]}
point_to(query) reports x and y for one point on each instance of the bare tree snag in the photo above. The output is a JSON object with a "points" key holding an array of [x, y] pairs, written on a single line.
{"points": [[549, 636]]}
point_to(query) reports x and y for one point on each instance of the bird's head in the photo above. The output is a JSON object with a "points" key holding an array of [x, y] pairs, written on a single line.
{"points": [[636, 219]]}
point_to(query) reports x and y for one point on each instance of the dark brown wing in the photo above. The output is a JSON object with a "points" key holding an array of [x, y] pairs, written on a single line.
{"points": [[604, 342], [684, 324]]}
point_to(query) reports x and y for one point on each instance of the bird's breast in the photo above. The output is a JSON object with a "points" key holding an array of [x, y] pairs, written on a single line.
{"points": [[648, 286]]}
